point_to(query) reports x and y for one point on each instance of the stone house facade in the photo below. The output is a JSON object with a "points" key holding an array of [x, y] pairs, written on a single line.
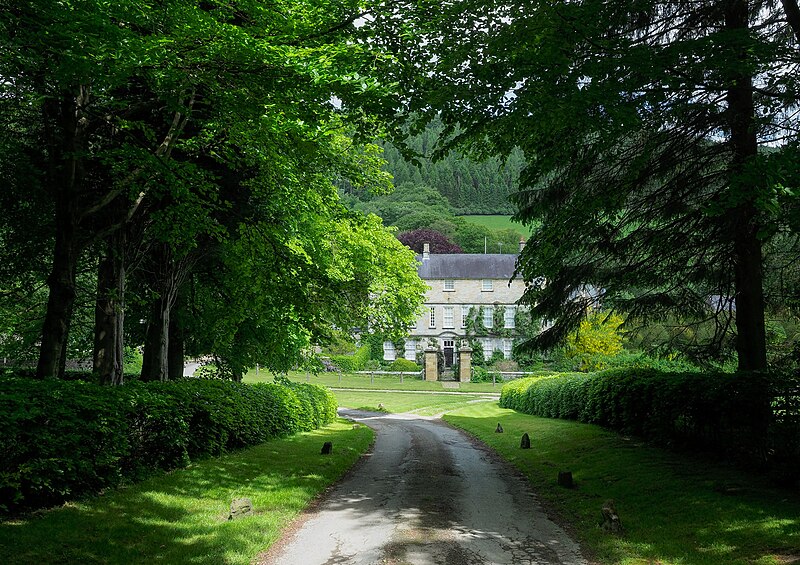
{"points": [[463, 286]]}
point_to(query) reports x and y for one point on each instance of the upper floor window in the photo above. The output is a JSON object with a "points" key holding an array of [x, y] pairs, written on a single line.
{"points": [[508, 317], [432, 321], [464, 315], [447, 318], [488, 316], [487, 285], [449, 285]]}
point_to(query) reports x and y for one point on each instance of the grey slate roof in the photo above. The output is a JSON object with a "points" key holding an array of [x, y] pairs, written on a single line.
{"points": [[467, 266]]}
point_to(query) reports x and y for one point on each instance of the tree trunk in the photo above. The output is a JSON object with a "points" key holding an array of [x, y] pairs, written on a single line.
{"points": [[175, 350], [58, 315], [747, 254], [65, 142], [167, 276], [155, 363], [109, 312]]}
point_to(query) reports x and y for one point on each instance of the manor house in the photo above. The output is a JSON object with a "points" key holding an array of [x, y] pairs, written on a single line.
{"points": [[459, 284]]}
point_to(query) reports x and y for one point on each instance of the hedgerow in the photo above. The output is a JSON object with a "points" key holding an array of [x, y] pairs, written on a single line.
{"points": [[749, 416], [403, 365], [60, 439]]}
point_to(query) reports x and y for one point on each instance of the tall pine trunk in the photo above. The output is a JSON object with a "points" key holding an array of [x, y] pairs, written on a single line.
{"points": [[747, 254], [110, 312]]}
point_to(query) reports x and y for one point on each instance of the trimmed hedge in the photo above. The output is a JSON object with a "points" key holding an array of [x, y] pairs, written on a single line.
{"points": [[355, 362], [60, 439], [749, 416], [403, 365]]}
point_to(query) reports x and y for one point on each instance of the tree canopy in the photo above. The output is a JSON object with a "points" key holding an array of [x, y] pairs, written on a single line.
{"points": [[185, 155], [660, 137]]}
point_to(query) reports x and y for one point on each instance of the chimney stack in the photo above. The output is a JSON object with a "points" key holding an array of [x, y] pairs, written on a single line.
{"points": [[521, 244], [426, 251]]}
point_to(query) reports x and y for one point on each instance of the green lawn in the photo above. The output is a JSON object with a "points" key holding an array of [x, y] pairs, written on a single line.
{"points": [[376, 382], [499, 223], [676, 509], [422, 404], [181, 517]]}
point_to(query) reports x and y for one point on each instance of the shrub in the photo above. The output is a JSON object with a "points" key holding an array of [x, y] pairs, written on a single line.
{"points": [[403, 365], [597, 335], [742, 415], [479, 375], [60, 438], [355, 362]]}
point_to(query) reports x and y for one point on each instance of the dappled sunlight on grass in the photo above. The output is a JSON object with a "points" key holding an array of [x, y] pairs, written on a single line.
{"points": [[182, 517], [677, 508]]}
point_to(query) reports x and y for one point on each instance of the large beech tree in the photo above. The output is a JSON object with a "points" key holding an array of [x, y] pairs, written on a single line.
{"points": [[143, 112], [661, 140]]}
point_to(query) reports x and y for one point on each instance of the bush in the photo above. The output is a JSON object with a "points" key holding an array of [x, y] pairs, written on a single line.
{"points": [[355, 362], [60, 439], [479, 375], [738, 414], [404, 365]]}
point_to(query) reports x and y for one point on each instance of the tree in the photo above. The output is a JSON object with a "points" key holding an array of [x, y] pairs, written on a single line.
{"points": [[642, 123], [416, 239], [135, 115]]}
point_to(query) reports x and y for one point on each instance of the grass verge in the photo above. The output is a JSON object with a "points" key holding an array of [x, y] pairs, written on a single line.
{"points": [[677, 509], [378, 382], [395, 402], [182, 517]]}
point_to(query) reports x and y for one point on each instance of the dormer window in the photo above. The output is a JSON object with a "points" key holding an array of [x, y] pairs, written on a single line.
{"points": [[449, 285], [487, 285]]}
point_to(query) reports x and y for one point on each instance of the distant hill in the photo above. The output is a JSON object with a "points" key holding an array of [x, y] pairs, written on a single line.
{"points": [[471, 187]]}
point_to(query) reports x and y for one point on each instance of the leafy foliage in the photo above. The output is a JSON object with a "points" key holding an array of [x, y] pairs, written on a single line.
{"points": [[596, 338], [416, 239], [61, 439]]}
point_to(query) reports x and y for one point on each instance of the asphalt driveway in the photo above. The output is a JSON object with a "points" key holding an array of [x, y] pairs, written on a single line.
{"points": [[426, 494]]}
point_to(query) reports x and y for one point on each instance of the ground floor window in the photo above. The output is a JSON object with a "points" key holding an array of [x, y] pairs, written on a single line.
{"points": [[508, 346], [411, 350], [487, 348], [388, 351]]}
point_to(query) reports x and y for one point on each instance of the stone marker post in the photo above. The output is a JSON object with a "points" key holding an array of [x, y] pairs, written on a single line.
{"points": [[464, 362], [431, 364]]}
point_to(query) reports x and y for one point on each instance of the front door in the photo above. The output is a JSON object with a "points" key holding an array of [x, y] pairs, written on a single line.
{"points": [[448, 352]]}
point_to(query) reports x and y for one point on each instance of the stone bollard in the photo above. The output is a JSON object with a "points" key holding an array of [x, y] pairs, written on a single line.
{"points": [[565, 479], [327, 448], [611, 522], [525, 443], [240, 507], [498, 429]]}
